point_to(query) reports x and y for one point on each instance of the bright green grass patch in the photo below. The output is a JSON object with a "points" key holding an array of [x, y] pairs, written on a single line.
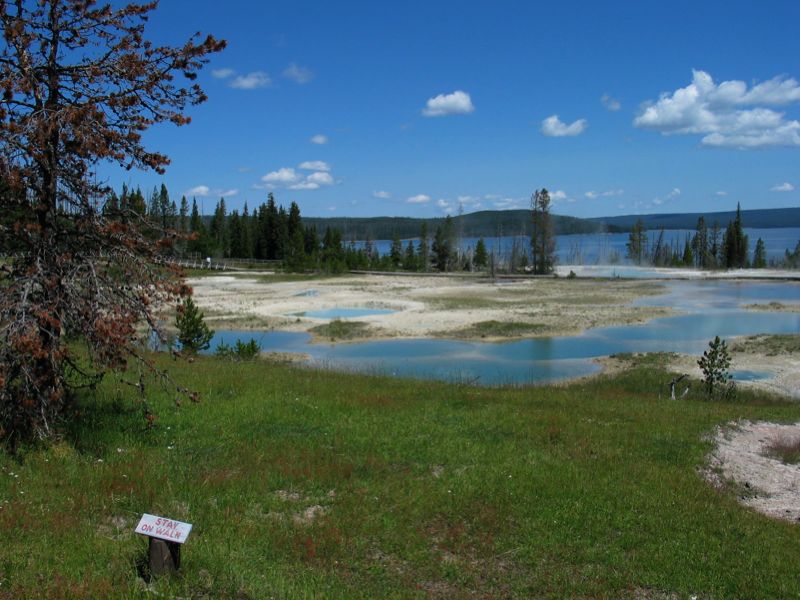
{"points": [[338, 330], [311, 484], [501, 329]]}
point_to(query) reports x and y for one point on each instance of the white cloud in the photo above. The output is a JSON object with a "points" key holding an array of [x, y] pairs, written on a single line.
{"points": [[288, 178], [558, 195], [673, 193], [470, 202], [298, 74], [383, 195], [198, 190], [506, 203], [222, 73], [251, 81], [552, 126], [726, 115], [419, 199], [457, 103], [783, 187], [203, 191], [315, 165], [444, 205], [285, 175], [591, 194], [320, 178], [304, 185], [610, 103], [721, 193], [462, 203], [319, 139]]}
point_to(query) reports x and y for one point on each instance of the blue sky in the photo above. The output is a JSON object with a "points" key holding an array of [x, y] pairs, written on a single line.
{"points": [[417, 108]]}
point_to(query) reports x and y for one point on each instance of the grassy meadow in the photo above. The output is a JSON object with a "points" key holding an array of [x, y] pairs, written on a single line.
{"points": [[311, 484]]}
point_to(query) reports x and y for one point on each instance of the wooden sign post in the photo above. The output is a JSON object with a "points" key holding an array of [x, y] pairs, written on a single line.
{"points": [[165, 539]]}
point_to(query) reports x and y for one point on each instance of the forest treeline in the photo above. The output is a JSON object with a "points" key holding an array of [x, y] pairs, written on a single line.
{"points": [[710, 247], [271, 232]]}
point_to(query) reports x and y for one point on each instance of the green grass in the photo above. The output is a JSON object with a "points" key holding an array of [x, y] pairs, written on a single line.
{"points": [[498, 329], [462, 302], [786, 449], [424, 490], [338, 330], [646, 359], [771, 345]]}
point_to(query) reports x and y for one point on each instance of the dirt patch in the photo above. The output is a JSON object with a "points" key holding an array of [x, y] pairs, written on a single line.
{"points": [[743, 456], [309, 515]]}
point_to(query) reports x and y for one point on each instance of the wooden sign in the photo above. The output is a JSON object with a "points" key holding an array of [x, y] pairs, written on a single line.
{"points": [[163, 528]]}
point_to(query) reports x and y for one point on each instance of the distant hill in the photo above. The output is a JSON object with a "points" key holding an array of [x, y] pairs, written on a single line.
{"points": [[489, 223], [485, 223], [762, 218]]}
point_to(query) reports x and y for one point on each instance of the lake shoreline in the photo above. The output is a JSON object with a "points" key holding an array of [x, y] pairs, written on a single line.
{"points": [[468, 309]]}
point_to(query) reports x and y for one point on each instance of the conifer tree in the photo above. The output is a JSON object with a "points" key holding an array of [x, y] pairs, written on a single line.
{"points": [[423, 251], [760, 255], [637, 242], [81, 84], [410, 257], [165, 208], [247, 233], [481, 258], [735, 243], [442, 252], [714, 249], [396, 251], [700, 245], [193, 333], [183, 219], [543, 242], [198, 243], [688, 255], [235, 235], [218, 229]]}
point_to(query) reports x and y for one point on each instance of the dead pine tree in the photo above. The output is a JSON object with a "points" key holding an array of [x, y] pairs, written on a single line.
{"points": [[79, 84], [674, 382]]}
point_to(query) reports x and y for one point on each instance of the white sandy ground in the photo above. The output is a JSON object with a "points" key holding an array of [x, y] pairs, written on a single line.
{"points": [[741, 455], [673, 273], [426, 306]]}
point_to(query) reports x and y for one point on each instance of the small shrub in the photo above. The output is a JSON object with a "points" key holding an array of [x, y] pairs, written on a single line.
{"points": [[714, 364], [340, 330], [193, 333], [239, 351], [571, 275]]}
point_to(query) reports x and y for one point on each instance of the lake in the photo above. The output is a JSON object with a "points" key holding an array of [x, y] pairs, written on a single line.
{"points": [[710, 308], [603, 248]]}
